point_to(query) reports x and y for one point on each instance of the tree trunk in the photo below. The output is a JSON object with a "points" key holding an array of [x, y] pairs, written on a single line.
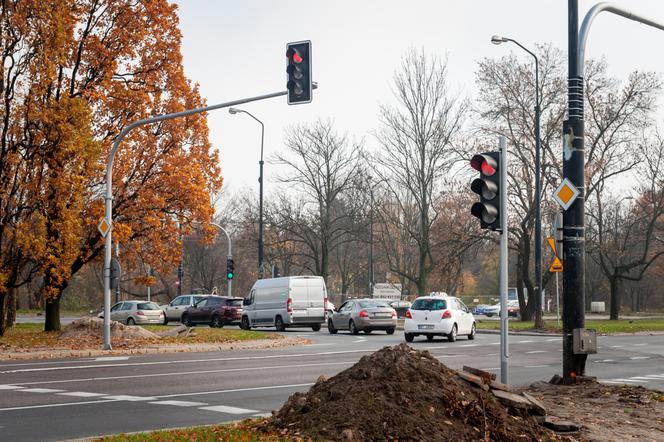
{"points": [[615, 298], [2, 314], [52, 319], [10, 307]]}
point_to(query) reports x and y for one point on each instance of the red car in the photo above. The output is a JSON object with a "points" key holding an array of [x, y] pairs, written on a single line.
{"points": [[216, 311]]}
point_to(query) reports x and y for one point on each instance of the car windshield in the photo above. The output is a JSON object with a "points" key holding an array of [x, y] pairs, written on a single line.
{"points": [[373, 304], [147, 306], [429, 304], [234, 302]]}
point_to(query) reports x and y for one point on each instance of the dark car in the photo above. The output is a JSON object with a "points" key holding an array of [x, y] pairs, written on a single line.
{"points": [[216, 311]]}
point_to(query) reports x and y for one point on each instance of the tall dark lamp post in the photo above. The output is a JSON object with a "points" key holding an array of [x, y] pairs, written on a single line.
{"points": [[371, 261], [497, 39], [234, 111]]}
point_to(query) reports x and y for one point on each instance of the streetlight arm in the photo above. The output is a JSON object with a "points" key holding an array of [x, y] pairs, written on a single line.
{"points": [[590, 16], [228, 237], [259, 122]]}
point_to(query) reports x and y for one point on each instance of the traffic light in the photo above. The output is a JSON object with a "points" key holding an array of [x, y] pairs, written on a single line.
{"points": [[230, 270], [299, 72], [487, 186]]}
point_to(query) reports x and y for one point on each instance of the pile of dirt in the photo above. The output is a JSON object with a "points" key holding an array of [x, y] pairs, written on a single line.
{"points": [[84, 328], [402, 394]]}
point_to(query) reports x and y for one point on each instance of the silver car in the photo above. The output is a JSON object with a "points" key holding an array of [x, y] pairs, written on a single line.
{"points": [[173, 310], [136, 312], [365, 315]]}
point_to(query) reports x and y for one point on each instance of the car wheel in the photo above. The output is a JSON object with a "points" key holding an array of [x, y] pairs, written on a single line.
{"points": [[453, 334], [471, 336], [186, 321], [216, 322], [330, 327], [389, 331], [488, 315], [244, 323], [352, 328], [315, 327], [409, 337], [130, 321], [429, 338], [367, 331], [165, 320], [279, 324]]}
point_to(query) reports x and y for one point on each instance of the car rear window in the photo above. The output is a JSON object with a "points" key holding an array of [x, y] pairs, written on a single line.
{"points": [[373, 304], [429, 304], [147, 306], [234, 302]]}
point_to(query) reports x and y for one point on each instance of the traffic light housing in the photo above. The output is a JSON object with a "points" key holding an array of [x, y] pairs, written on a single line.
{"points": [[299, 72], [230, 268], [487, 186]]}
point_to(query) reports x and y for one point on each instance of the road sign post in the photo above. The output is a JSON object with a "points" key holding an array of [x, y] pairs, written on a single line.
{"points": [[504, 240]]}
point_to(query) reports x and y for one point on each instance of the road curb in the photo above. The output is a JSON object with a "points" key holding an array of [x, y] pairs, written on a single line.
{"points": [[519, 333], [179, 348]]}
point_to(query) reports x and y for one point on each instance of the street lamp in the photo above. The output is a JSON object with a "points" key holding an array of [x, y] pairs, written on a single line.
{"points": [[234, 111], [497, 39]]}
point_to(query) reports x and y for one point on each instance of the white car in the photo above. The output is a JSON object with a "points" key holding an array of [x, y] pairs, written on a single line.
{"points": [[438, 316]]}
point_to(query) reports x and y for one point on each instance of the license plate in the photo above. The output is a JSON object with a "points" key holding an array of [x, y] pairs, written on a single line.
{"points": [[382, 315], [425, 326]]}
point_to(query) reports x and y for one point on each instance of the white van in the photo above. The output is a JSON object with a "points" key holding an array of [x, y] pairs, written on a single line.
{"points": [[292, 301]]}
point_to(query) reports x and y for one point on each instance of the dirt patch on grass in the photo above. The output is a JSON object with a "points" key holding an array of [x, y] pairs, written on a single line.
{"points": [[402, 394], [84, 328], [606, 412]]}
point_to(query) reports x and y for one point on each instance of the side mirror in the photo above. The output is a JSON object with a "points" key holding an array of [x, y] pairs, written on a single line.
{"points": [[245, 301]]}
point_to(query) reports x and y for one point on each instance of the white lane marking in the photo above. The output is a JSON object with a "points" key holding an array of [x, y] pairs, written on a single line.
{"points": [[228, 410], [469, 345], [77, 361], [492, 354], [490, 369], [553, 339], [617, 346], [447, 356], [436, 347], [111, 358], [524, 342], [10, 387], [603, 381], [130, 398], [648, 378], [606, 360], [81, 394], [639, 345], [360, 340], [495, 343], [41, 390], [628, 380], [191, 361], [536, 366], [179, 403], [151, 375], [236, 390], [66, 404], [656, 375], [640, 357], [536, 351]]}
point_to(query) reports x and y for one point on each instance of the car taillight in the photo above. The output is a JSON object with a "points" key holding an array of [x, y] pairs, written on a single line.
{"points": [[408, 315], [289, 305], [325, 303], [140, 313], [394, 313], [447, 314], [364, 314]]}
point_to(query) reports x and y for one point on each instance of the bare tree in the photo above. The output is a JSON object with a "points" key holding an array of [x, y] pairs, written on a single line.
{"points": [[323, 166], [625, 245], [415, 139]]}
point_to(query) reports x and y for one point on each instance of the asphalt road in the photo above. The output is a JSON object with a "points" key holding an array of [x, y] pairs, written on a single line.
{"points": [[65, 399]]}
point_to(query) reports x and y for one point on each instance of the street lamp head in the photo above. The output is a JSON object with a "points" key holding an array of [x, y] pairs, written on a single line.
{"points": [[233, 111], [497, 39]]}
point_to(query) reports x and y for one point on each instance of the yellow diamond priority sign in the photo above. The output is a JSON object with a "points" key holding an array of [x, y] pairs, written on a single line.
{"points": [[565, 194], [104, 227]]}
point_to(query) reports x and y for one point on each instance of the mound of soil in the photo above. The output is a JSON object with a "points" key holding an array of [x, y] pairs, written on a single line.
{"points": [[402, 394], [93, 327]]}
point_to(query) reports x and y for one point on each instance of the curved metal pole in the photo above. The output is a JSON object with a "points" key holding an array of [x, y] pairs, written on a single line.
{"points": [[230, 254], [590, 16], [109, 192]]}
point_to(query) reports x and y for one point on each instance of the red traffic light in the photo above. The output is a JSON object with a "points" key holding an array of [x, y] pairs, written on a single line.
{"points": [[484, 164], [294, 55]]}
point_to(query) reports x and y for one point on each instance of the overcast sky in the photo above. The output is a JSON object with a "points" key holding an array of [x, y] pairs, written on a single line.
{"points": [[236, 49]]}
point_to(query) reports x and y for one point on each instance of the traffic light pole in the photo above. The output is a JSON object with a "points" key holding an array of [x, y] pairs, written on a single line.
{"points": [[573, 169], [109, 190], [504, 233], [230, 255]]}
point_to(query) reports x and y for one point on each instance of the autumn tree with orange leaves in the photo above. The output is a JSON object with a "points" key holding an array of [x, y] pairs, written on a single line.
{"points": [[75, 72]]}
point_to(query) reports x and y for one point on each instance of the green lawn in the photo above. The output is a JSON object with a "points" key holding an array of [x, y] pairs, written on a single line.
{"points": [[242, 431], [32, 335], [604, 326]]}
